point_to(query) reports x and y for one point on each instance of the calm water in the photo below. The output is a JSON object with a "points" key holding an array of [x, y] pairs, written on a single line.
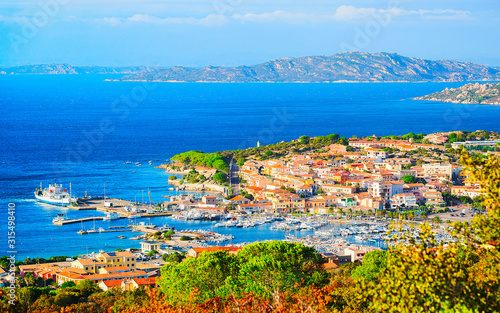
{"points": [[81, 129]]}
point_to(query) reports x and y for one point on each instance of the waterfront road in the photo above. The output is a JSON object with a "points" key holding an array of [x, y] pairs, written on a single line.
{"points": [[235, 179]]}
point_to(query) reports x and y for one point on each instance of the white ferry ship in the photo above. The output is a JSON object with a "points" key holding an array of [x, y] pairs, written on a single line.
{"points": [[55, 194]]}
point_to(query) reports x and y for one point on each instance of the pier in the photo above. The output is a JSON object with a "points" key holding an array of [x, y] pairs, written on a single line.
{"points": [[106, 231], [79, 220]]}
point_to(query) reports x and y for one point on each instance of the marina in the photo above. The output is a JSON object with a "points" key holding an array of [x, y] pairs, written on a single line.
{"points": [[323, 232]]}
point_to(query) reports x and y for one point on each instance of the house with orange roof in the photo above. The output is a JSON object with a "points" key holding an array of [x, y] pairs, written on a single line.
{"points": [[106, 259], [305, 190], [376, 153], [107, 285], [339, 176], [89, 265], [240, 200], [435, 198], [417, 189], [407, 200], [469, 191], [316, 205], [209, 200], [135, 283]]}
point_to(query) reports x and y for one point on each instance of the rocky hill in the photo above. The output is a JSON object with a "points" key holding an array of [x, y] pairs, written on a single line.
{"points": [[68, 69], [349, 66], [470, 93]]}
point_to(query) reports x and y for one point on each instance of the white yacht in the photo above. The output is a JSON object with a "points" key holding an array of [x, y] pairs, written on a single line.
{"points": [[59, 218], [111, 216]]}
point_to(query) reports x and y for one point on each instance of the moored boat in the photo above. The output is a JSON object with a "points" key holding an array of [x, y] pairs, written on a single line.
{"points": [[55, 194]]}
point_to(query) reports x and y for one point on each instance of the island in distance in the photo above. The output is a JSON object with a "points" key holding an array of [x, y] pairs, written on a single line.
{"points": [[66, 69], [341, 67], [470, 93]]}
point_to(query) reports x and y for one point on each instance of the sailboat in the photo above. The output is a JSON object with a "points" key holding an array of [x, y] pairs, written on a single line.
{"points": [[93, 230], [82, 231]]}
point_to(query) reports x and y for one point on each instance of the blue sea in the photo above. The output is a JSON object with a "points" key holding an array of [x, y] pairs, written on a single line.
{"points": [[82, 129]]}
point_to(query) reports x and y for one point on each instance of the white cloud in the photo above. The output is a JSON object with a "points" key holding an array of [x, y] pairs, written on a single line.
{"points": [[279, 15], [349, 13], [212, 19], [343, 13]]}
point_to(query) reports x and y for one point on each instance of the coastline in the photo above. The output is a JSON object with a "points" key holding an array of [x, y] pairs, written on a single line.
{"points": [[204, 187]]}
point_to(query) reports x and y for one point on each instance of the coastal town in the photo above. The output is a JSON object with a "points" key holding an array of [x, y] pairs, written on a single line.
{"points": [[345, 193], [368, 176]]}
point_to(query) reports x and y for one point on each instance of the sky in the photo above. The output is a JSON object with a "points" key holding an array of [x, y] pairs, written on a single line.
{"points": [[242, 32]]}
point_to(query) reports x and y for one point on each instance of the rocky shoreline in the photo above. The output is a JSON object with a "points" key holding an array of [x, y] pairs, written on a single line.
{"points": [[206, 186], [474, 93]]}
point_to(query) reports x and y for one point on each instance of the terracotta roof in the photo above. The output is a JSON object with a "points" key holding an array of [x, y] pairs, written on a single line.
{"points": [[91, 262], [237, 198], [113, 283], [145, 281], [70, 275]]}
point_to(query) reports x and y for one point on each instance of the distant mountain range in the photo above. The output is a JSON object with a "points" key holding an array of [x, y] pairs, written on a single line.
{"points": [[470, 93], [342, 67], [68, 69]]}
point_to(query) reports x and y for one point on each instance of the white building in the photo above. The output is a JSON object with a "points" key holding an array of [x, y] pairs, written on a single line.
{"points": [[407, 200]]}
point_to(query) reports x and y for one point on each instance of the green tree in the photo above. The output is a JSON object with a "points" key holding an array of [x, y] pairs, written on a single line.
{"points": [[268, 268], [172, 177], [304, 139], [241, 162], [333, 137], [68, 284], [174, 258], [87, 287], [67, 297], [344, 141], [210, 274], [29, 279], [373, 263], [220, 177], [409, 179]]}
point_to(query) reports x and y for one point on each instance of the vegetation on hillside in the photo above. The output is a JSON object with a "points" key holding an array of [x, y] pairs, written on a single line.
{"points": [[303, 144], [211, 160]]}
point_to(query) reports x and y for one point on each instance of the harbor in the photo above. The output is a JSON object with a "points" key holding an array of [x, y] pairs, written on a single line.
{"points": [[205, 228]]}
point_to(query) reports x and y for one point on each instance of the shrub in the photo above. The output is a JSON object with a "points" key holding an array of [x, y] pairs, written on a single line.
{"points": [[220, 177]]}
